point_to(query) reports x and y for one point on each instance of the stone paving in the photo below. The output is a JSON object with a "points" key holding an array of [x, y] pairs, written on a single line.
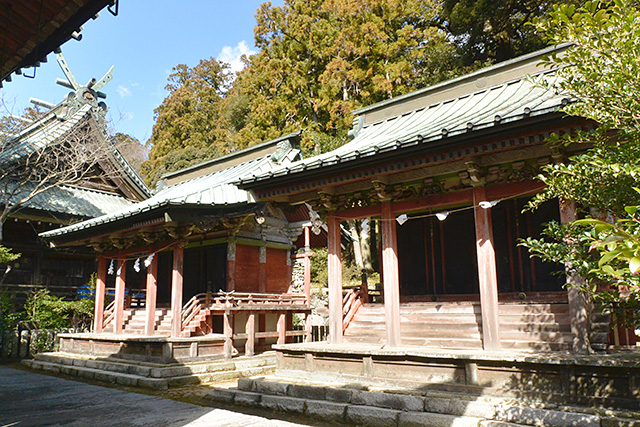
{"points": [[30, 399]]}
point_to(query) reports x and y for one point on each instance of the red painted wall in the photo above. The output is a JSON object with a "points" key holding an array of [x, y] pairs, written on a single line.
{"points": [[247, 269]]}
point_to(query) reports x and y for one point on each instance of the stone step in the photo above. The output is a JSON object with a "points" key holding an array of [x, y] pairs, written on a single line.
{"points": [[150, 375], [344, 404]]}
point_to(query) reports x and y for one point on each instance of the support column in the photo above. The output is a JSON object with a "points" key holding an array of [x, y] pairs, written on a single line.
{"points": [[101, 276], [281, 327], [227, 330], [150, 300], [262, 269], [307, 265], [487, 276], [390, 276], [578, 307], [231, 265], [335, 281], [176, 291], [250, 329], [118, 317]]}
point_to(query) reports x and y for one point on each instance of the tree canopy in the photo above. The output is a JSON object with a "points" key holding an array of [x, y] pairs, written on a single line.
{"points": [[601, 72], [318, 60]]}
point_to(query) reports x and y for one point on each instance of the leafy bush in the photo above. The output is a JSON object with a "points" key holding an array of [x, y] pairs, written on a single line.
{"points": [[46, 311]]}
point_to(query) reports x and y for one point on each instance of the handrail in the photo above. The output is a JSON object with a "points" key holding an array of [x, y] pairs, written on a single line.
{"points": [[108, 313], [352, 302]]}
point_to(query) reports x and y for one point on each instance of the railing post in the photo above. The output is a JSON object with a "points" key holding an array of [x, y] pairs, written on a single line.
{"points": [[228, 332], [308, 327], [250, 329]]}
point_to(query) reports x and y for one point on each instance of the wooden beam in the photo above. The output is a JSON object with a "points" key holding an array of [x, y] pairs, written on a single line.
{"points": [[433, 201], [359, 213], [176, 291], [578, 310], [120, 287], [231, 266], [262, 269], [101, 276], [151, 296], [487, 276], [335, 280], [390, 280], [139, 250]]}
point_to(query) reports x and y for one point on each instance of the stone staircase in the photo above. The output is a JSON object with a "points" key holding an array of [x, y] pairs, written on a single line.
{"points": [[152, 375], [354, 404], [523, 326], [135, 318]]}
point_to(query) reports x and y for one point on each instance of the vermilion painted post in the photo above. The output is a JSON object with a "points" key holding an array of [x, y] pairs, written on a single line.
{"points": [[577, 303], [98, 317], [390, 279], [250, 329], [307, 265], [335, 280], [119, 306], [487, 276], [282, 328], [262, 269], [176, 291], [150, 299]]}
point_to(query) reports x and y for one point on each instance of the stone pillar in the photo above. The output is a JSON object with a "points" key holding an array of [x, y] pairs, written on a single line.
{"points": [[390, 276], [487, 276], [176, 291], [120, 289], [335, 281], [578, 307], [150, 300], [101, 276]]}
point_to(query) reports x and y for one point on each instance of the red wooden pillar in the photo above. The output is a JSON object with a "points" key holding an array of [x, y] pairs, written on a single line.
{"points": [[487, 276], [281, 327], [250, 330], [262, 269], [98, 317], [577, 304], [307, 265], [176, 291], [231, 265], [335, 281], [390, 276], [150, 300], [119, 306]]}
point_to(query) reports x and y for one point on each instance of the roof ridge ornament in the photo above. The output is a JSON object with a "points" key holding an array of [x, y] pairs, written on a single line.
{"points": [[83, 94]]}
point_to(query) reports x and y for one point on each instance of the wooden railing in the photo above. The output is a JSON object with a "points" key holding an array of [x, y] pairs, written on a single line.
{"points": [[351, 302], [224, 303], [109, 312]]}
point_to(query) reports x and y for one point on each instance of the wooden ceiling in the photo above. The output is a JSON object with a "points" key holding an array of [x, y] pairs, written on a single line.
{"points": [[31, 29]]}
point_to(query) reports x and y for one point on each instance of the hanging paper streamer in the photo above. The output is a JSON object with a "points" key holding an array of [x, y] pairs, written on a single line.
{"points": [[402, 219], [442, 215], [147, 262], [487, 205], [110, 270], [120, 269], [365, 225], [136, 265]]}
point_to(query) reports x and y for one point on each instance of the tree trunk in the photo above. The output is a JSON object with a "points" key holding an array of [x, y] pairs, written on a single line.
{"points": [[357, 251]]}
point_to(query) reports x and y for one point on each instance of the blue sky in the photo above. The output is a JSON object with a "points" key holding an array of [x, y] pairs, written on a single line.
{"points": [[143, 43]]}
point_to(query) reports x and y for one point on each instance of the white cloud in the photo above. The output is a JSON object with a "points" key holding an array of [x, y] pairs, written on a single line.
{"points": [[231, 55], [123, 91]]}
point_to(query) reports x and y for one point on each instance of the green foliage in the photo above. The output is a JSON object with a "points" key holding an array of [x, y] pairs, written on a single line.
{"points": [[494, 31], [351, 275], [46, 311], [601, 73], [7, 256]]}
